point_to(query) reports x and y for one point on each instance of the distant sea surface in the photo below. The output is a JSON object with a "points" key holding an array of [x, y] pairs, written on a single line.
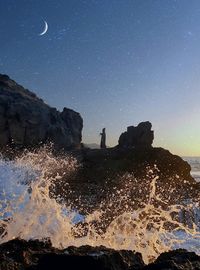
{"points": [[195, 166]]}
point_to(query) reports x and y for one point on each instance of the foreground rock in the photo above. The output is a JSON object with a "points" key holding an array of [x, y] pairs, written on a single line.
{"points": [[26, 121], [19, 254], [176, 260]]}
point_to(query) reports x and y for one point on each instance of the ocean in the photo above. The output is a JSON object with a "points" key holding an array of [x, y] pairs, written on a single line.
{"points": [[195, 166]]}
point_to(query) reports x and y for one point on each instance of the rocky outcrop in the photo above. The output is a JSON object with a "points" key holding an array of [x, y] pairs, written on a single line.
{"points": [[19, 254], [26, 121], [119, 179], [140, 136], [176, 260], [34, 255]]}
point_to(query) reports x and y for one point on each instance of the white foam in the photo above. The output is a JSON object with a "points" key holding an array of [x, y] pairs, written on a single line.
{"points": [[34, 214]]}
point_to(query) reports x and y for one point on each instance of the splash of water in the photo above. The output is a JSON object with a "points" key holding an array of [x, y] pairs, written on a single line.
{"points": [[29, 211]]}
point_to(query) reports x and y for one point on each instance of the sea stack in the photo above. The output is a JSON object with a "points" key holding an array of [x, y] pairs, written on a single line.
{"points": [[139, 136]]}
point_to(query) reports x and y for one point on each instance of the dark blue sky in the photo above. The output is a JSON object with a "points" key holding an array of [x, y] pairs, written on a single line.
{"points": [[117, 62]]}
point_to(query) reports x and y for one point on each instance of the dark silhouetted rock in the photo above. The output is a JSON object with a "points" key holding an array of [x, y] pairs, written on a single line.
{"points": [[36, 255], [20, 254], [176, 260], [140, 136], [103, 139], [26, 121]]}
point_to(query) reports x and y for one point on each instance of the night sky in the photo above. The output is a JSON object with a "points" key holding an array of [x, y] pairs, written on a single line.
{"points": [[117, 62]]}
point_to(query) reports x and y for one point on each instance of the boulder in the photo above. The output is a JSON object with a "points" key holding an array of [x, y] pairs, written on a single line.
{"points": [[176, 260], [140, 136], [26, 121]]}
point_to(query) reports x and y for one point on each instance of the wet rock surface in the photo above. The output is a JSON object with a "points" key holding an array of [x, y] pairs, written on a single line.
{"points": [[176, 260], [21, 254], [26, 121]]}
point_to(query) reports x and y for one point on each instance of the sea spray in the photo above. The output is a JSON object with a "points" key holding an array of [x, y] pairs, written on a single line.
{"points": [[30, 211]]}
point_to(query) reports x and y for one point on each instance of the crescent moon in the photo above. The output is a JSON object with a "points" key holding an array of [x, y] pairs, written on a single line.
{"points": [[45, 29]]}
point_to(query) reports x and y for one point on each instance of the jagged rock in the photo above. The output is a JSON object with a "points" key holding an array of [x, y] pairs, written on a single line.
{"points": [[176, 260], [140, 136], [20, 254], [26, 121], [34, 255]]}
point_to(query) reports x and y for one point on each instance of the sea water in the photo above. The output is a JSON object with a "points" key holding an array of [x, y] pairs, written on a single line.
{"points": [[28, 211], [195, 166]]}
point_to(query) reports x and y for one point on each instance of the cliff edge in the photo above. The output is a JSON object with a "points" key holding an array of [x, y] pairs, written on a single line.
{"points": [[26, 121]]}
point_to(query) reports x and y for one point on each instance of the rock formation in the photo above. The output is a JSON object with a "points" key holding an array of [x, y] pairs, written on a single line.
{"points": [[179, 259], [140, 136], [26, 121], [35, 255], [115, 177]]}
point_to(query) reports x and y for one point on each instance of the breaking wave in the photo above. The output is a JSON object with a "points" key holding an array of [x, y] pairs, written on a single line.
{"points": [[28, 210]]}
